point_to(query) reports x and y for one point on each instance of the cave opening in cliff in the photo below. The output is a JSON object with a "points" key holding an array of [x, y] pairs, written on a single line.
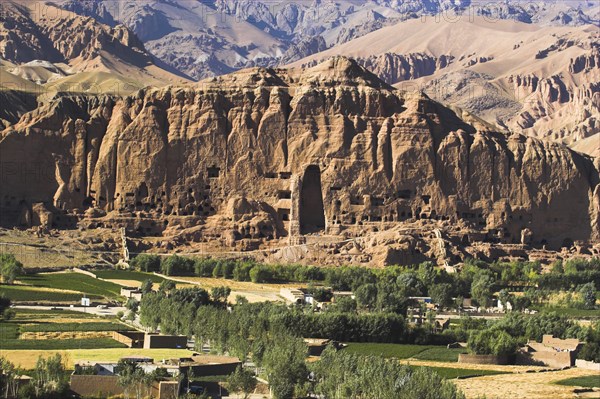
{"points": [[312, 212]]}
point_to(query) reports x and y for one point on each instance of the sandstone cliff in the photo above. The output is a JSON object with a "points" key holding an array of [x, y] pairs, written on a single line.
{"points": [[264, 154]]}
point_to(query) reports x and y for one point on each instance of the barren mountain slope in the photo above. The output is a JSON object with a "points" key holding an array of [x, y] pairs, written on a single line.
{"points": [[47, 44], [210, 38], [244, 160], [542, 81]]}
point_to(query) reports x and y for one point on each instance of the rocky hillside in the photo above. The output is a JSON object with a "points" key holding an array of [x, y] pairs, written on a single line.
{"points": [[41, 43], [262, 154], [539, 81], [204, 39]]}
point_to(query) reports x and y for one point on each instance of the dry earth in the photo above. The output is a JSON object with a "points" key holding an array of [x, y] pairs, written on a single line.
{"points": [[524, 385]]}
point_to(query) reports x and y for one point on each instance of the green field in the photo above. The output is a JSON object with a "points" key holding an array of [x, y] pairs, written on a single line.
{"points": [[440, 354], [397, 351], [400, 351], [40, 321], [590, 381], [128, 275], [56, 344], [74, 327], [73, 282], [450, 373], [21, 293]]}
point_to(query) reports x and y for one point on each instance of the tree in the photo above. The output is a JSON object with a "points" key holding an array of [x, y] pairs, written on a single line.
{"points": [[10, 268], [492, 342], [132, 304], [146, 263], [242, 380], [5, 310], [366, 296], [339, 374], [167, 286], [441, 294], [482, 288], [588, 295], [505, 297], [9, 378], [146, 286], [285, 364], [220, 294], [49, 377], [176, 265], [132, 378], [131, 315]]}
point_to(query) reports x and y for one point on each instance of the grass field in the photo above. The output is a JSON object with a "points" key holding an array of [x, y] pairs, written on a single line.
{"points": [[440, 354], [400, 351], [27, 358], [397, 351], [74, 327], [73, 282], [128, 275], [60, 344], [22, 293], [451, 373], [590, 381], [40, 321]]}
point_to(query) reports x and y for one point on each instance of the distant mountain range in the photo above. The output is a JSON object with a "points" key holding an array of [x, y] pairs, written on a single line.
{"points": [[206, 38]]}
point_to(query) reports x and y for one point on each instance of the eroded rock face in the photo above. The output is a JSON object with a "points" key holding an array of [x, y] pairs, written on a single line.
{"points": [[263, 153]]}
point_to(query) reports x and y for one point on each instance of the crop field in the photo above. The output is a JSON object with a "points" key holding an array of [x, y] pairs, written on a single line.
{"points": [[38, 329], [451, 372], [128, 275], [23, 293], [588, 381], [401, 351], [73, 327], [73, 282], [27, 358]]}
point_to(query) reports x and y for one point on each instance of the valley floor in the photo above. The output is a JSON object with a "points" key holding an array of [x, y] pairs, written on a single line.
{"points": [[541, 385]]}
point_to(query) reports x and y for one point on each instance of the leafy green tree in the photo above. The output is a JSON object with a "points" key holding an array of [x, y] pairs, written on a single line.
{"points": [[176, 265], [132, 304], [146, 263], [49, 377], [146, 286], [482, 288], [492, 342], [133, 379], [242, 380], [10, 268], [588, 295], [204, 267], [441, 294], [9, 378], [5, 310], [260, 274], [167, 286], [339, 375], [366, 296], [220, 294], [343, 304], [285, 364]]}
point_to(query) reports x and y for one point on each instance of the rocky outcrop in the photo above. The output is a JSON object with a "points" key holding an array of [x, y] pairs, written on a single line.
{"points": [[262, 154], [44, 32]]}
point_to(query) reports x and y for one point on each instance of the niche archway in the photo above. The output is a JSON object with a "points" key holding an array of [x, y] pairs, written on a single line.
{"points": [[312, 213]]}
